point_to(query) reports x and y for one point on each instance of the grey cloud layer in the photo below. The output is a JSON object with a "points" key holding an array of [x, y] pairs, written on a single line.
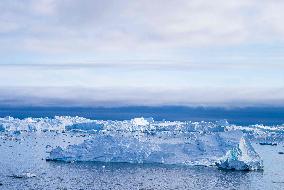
{"points": [[67, 96]]}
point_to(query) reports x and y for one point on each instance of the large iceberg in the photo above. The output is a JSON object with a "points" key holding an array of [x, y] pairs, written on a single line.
{"points": [[196, 149]]}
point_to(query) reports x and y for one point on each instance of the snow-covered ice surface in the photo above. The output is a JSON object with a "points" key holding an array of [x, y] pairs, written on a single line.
{"points": [[174, 154]]}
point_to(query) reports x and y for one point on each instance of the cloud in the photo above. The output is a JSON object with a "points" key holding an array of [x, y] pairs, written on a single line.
{"points": [[60, 26], [153, 52]]}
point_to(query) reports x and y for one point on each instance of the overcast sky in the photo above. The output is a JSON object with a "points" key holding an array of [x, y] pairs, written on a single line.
{"points": [[126, 52]]}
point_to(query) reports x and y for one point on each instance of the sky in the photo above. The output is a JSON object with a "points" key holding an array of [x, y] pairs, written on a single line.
{"points": [[153, 53]]}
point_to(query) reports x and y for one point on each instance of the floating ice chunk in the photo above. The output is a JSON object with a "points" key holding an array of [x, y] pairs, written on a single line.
{"points": [[223, 122], [242, 157], [140, 121]]}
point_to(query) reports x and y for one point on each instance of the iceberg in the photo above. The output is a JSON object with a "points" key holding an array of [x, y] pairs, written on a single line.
{"points": [[242, 157], [141, 121], [199, 149]]}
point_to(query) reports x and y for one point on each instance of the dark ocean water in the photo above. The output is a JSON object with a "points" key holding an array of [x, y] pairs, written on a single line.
{"points": [[239, 116]]}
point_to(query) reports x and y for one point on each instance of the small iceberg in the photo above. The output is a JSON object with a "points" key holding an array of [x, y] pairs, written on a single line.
{"points": [[242, 157]]}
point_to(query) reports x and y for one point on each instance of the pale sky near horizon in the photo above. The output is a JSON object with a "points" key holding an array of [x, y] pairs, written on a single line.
{"points": [[125, 52]]}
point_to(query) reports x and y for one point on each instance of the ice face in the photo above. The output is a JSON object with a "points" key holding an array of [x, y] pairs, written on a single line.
{"points": [[242, 157]]}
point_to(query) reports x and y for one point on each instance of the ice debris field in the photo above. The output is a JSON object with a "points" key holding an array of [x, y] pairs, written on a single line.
{"points": [[143, 140]]}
